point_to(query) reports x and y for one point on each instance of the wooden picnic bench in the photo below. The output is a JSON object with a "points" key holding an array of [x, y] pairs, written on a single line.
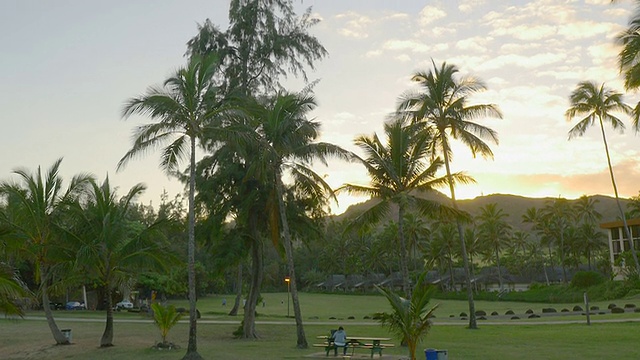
{"points": [[371, 343]]}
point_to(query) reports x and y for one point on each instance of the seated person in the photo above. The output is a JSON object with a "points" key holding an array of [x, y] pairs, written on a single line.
{"points": [[340, 340]]}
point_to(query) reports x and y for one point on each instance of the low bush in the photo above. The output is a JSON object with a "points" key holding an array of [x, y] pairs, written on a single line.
{"points": [[577, 308], [481, 313], [617, 310], [495, 313], [629, 306], [529, 311], [611, 306], [509, 312], [586, 279], [549, 310]]}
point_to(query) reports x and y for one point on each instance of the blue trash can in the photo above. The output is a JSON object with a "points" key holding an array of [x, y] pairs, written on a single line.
{"points": [[431, 354]]}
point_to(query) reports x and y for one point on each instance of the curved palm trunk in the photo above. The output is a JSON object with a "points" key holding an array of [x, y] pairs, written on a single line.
{"points": [[55, 331], [403, 253], [236, 303], [107, 336], [452, 280], [627, 233], [249, 323], [465, 259], [302, 340], [192, 347]]}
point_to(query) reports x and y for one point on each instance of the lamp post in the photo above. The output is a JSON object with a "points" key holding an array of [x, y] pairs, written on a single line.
{"points": [[288, 281]]}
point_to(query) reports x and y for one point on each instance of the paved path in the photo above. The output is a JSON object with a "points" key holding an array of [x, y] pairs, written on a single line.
{"points": [[329, 323]]}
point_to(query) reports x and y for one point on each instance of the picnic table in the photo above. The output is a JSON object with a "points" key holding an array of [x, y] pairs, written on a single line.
{"points": [[375, 344]]}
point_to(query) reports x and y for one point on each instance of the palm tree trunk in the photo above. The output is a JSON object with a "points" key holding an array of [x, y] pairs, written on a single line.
{"points": [[564, 269], [192, 347], [107, 336], [627, 233], [403, 253], [236, 303], [302, 340], [472, 308], [55, 331], [249, 323], [499, 272]]}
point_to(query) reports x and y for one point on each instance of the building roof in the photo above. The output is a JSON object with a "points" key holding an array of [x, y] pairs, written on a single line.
{"points": [[618, 224]]}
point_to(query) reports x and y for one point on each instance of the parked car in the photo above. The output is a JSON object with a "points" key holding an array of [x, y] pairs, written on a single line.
{"points": [[74, 305], [55, 305], [124, 305]]}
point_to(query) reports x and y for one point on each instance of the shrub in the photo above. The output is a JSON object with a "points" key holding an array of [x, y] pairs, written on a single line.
{"points": [[611, 306], [534, 316], [617, 310], [636, 310], [564, 310], [629, 306], [481, 313], [595, 308], [529, 311], [577, 308], [463, 314], [515, 318], [495, 313], [549, 310], [585, 279], [509, 312]]}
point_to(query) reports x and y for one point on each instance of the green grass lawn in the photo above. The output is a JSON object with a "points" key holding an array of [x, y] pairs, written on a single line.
{"points": [[31, 339]]}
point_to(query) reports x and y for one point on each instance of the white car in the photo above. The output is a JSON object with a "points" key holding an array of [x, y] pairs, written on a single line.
{"points": [[124, 304]]}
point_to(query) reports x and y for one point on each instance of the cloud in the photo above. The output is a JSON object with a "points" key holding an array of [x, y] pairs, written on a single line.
{"points": [[355, 26], [466, 6], [430, 14], [402, 45], [522, 61], [477, 44]]}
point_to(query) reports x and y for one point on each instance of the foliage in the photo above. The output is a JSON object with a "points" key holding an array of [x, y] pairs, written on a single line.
{"points": [[165, 317], [410, 319], [11, 289], [585, 279]]}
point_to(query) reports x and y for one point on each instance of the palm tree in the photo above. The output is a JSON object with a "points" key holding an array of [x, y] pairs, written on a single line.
{"points": [[111, 247], [557, 215], [598, 103], [11, 288], [35, 212], [629, 59], [165, 317], [410, 319], [285, 140], [441, 106], [184, 106], [495, 232], [398, 174]]}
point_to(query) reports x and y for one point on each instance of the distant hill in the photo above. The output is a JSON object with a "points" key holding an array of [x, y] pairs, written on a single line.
{"points": [[513, 205]]}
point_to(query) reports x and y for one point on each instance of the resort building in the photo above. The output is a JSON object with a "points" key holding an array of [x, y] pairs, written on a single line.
{"points": [[618, 243]]}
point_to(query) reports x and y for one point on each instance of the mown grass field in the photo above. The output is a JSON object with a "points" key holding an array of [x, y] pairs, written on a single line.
{"points": [[30, 339]]}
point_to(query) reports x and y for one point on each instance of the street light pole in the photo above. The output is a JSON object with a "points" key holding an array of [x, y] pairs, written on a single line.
{"points": [[288, 281]]}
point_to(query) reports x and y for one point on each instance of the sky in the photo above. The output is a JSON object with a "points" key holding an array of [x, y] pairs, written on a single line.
{"points": [[67, 67]]}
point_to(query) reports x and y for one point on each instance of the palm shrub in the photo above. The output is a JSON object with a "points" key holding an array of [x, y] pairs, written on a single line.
{"points": [[165, 317], [410, 319]]}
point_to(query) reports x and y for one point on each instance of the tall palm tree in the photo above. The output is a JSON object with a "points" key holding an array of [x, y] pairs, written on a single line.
{"points": [[441, 106], [558, 215], [629, 58], [495, 232], [599, 103], [36, 207], [184, 106], [398, 173], [285, 139], [533, 217], [111, 247]]}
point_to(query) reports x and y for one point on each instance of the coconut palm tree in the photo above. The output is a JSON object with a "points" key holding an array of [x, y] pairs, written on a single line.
{"points": [[494, 231], [35, 211], [557, 216], [112, 248], [11, 288], [184, 107], [399, 173], [285, 139], [629, 58], [597, 103], [442, 107], [410, 319]]}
